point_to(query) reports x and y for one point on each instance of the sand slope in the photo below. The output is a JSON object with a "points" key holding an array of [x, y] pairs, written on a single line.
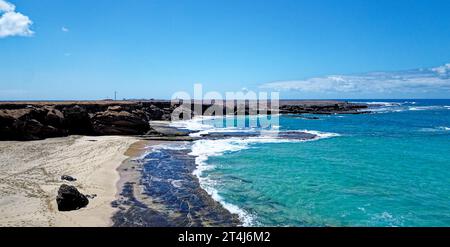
{"points": [[30, 177]]}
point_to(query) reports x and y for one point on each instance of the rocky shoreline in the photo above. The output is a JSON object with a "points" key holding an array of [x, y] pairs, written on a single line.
{"points": [[24, 121], [159, 190]]}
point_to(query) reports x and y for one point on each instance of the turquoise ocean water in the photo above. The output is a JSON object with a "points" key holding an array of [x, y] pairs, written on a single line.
{"points": [[389, 168]]}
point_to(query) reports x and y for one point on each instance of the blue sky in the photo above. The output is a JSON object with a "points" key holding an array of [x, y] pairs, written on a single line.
{"points": [[88, 49]]}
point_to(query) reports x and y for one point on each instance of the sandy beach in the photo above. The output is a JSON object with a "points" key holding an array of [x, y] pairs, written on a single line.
{"points": [[30, 175]]}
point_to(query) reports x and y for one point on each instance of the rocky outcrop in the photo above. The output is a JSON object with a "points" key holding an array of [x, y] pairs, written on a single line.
{"points": [[39, 120], [154, 112], [116, 122], [77, 120], [30, 123], [69, 198], [322, 108]]}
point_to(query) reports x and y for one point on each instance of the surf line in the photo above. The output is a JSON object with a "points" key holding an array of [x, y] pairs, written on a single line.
{"points": [[195, 237]]}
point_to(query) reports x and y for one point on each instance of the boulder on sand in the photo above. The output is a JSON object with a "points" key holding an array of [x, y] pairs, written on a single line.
{"points": [[68, 178], [69, 198]]}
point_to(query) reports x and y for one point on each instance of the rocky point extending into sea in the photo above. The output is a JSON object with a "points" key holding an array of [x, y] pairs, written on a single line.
{"points": [[40, 120]]}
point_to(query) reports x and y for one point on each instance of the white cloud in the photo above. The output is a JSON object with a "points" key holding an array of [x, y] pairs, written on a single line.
{"points": [[13, 23], [442, 70], [6, 7], [65, 29], [410, 81]]}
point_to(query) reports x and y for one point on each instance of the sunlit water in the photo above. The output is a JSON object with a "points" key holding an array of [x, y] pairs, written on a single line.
{"points": [[390, 168]]}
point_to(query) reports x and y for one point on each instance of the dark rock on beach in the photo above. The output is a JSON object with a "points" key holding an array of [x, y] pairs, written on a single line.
{"points": [[69, 198], [92, 196], [68, 178]]}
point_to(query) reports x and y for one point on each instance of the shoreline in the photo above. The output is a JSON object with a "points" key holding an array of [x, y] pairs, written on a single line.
{"points": [[158, 183], [152, 196], [30, 177], [111, 169]]}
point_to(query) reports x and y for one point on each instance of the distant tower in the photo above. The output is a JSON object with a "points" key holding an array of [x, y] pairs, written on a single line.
{"points": [[115, 95]]}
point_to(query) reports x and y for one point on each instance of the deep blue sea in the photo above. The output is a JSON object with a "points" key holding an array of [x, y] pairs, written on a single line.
{"points": [[388, 168]]}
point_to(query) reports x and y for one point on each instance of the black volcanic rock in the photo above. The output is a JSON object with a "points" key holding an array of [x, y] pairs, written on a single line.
{"points": [[77, 120], [29, 123], [69, 198], [154, 112], [54, 118], [336, 108], [68, 178], [40, 120], [120, 123]]}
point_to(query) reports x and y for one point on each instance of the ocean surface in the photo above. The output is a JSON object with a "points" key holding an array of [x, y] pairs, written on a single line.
{"points": [[388, 168]]}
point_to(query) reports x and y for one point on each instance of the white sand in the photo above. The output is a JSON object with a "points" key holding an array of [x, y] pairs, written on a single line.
{"points": [[30, 177]]}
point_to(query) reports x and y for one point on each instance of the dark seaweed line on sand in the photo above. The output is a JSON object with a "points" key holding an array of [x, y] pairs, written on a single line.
{"points": [[166, 182]]}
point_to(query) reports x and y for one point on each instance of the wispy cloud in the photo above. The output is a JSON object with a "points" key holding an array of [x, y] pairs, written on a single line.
{"points": [[65, 29], [13, 23], [410, 81]]}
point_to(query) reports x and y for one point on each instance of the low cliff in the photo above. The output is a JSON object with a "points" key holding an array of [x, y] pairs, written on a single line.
{"points": [[39, 120]]}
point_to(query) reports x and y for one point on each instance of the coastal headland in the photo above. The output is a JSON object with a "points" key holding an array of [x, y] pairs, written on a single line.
{"points": [[39, 120]]}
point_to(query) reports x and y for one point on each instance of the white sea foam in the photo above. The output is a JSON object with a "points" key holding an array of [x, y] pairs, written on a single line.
{"points": [[435, 129], [220, 130], [195, 124], [388, 218], [420, 108], [320, 135], [425, 108], [386, 107], [379, 103], [205, 125], [401, 108], [171, 146], [203, 149]]}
